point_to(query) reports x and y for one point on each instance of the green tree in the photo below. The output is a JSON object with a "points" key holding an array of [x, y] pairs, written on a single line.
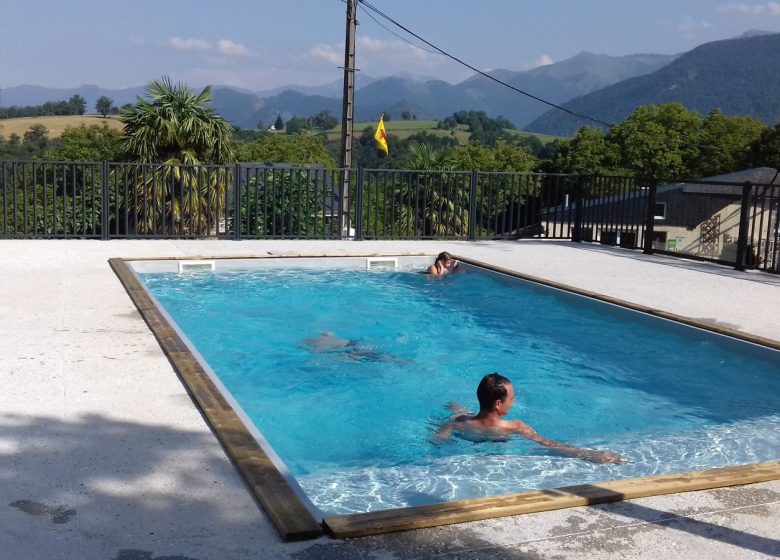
{"points": [[588, 152], [103, 105], [765, 150], [424, 156], [177, 127], [279, 124], [723, 142], [282, 201], [88, 143], [658, 141], [498, 186], [36, 139], [296, 125], [323, 120], [504, 157], [438, 198], [406, 115], [277, 148], [79, 104], [12, 148], [484, 130]]}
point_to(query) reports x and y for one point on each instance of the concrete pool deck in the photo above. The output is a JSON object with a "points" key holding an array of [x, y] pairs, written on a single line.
{"points": [[104, 456]]}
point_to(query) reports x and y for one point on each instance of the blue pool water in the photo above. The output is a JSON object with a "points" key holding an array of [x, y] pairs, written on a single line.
{"points": [[355, 429]]}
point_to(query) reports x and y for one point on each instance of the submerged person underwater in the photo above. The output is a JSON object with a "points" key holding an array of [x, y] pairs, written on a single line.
{"points": [[328, 343], [496, 396]]}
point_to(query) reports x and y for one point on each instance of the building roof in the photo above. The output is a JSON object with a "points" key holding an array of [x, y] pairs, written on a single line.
{"points": [[756, 175], [728, 184]]}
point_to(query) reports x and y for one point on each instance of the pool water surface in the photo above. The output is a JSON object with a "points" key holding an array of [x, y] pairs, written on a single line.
{"points": [[354, 425]]}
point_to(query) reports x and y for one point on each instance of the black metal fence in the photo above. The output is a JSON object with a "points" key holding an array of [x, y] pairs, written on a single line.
{"points": [[731, 223]]}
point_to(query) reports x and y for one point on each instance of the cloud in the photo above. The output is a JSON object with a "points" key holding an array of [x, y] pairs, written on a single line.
{"points": [[544, 60], [225, 47], [691, 28], [229, 48], [394, 48], [370, 50], [179, 44], [327, 53], [772, 8]]}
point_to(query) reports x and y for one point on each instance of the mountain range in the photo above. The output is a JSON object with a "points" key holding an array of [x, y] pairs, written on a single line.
{"points": [[739, 76]]}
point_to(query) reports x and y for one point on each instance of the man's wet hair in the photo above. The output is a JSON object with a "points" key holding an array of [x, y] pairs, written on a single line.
{"points": [[490, 389], [443, 256]]}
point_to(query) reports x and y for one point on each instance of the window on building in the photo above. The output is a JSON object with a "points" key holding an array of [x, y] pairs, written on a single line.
{"points": [[660, 211]]}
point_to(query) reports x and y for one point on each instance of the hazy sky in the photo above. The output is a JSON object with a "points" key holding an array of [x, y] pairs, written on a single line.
{"points": [[262, 44]]}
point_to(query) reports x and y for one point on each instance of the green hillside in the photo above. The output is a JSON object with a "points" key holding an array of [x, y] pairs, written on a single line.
{"points": [[738, 76], [405, 129]]}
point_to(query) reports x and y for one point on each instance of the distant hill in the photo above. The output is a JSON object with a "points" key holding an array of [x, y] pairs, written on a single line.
{"points": [[428, 99], [436, 99], [236, 105], [739, 76], [289, 104], [37, 95], [556, 83], [332, 89]]}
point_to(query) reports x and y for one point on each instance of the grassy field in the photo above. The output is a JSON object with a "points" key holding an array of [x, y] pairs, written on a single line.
{"points": [[405, 129], [402, 129], [56, 125]]}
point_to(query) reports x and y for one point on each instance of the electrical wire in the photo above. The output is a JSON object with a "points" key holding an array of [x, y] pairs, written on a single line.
{"points": [[441, 51], [404, 39], [480, 72]]}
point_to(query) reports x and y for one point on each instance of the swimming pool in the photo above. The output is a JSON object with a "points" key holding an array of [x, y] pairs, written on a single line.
{"points": [[355, 431]]}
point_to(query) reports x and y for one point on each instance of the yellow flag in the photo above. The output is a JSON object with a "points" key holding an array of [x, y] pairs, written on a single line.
{"points": [[381, 136]]}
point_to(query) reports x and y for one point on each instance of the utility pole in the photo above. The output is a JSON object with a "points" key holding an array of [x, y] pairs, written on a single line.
{"points": [[347, 113]]}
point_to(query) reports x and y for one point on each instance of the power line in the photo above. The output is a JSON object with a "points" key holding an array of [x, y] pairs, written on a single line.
{"points": [[404, 39], [478, 71]]}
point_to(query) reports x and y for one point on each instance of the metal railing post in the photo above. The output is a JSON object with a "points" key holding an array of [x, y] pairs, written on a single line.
{"points": [[744, 222], [650, 216], [104, 222], [236, 202], [359, 205], [472, 226], [577, 233]]}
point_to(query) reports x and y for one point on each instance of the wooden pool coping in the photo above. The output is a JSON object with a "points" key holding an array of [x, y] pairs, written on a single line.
{"points": [[292, 518]]}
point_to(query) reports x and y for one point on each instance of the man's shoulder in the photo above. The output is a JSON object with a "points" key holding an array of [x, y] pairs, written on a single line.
{"points": [[518, 426]]}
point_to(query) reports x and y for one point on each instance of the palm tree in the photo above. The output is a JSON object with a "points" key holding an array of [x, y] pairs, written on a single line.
{"points": [[178, 129], [439, 195]]}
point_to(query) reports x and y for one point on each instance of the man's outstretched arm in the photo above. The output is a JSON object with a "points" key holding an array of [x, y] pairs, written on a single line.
{"points": [[568, 450]]}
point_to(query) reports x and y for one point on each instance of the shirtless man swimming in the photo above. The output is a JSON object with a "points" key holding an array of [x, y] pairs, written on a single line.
{"points": [[496, 396]]}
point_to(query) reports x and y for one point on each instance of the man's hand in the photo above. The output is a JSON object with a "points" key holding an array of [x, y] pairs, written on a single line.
{"points": [[601, 457]]}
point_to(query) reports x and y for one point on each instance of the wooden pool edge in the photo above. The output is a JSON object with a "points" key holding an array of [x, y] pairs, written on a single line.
{"points": [[477, 509], [287, 512], [292, 518]]}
